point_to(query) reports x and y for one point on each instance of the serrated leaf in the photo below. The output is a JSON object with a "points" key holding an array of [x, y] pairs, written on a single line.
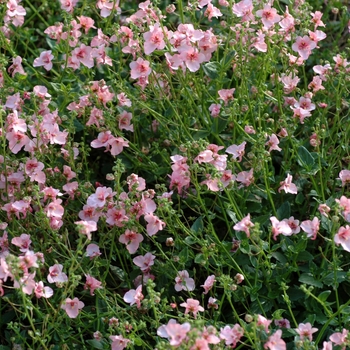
{"points": [[211, 69], [307, 278], [232, 216]]}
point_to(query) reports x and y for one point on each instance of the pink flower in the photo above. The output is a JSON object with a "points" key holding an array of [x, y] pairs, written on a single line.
{"points": [[92, 251], [134, 296], [83, 54], [237, 151], [232, 335], [214, 110], [154, 224], [280, 227], [118, 342], [293, 224], [124, 121], [23, 242], [132, 240], [244, 225], [303, 46], [212, 303], [44, 60], [208, 284], [41, 291], [305, 330], [92, 284], [56, 275], [192, 58], [244, 9], [275, 342], [344, 176], [245, 177], [288, 186], [144, 262], [72, 307], [264, 322], [184, 282], [339, 338], [343, 237], [273, 143], [154, 39], [16, 67], [269, 16], [226, 95], [55, 209], [192, 305], [86, 227], [311, 227], [140, 68], [175, 332]]}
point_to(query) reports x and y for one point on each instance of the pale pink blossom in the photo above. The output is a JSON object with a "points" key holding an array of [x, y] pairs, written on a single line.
{"points": [[231, 336], [184, 282], [72, 307], [343, 237], [41, 291], [154, 39], [45, 60], [134, 296], [175, 332], [287, 185], [132, 240], [344, 176], [140, 68], [275, 342], [237, 151], [264, 322], [226, 95], [311, 227], [154, 224], [268, 16], [92, 284], [86, 227], [279, 227], [56, 275], [16, 67], [304, 45], [208, 284], [192, 305], [92, 251], [273, 143], [244, 225], [118, 342], [305, 331], [144, 262]]}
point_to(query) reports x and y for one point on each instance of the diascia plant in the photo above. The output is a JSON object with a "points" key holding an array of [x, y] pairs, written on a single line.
{"points": [[174, 174]]}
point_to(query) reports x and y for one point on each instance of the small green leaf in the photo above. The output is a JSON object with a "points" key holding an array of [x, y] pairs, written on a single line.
{"points": [[279, 257], [283, 212], [307, 278], [324, 295], [200, 134], [306, 160], [211, 69], [200, 259], [95, 343], [232, 216], [197, 225], [190, 240]]}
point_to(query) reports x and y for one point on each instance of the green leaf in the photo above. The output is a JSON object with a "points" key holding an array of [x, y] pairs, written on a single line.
{"points": [[218, 125], [200, 134], [118, 272], [232, 216], [324, 295], [304, 256], [306, 160], [190, 240], [307, 278], [200, 259], [184, 255], [279, 257], [226, 61], [211, 69], [197, 225], [283, 212], [95, 343]]}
